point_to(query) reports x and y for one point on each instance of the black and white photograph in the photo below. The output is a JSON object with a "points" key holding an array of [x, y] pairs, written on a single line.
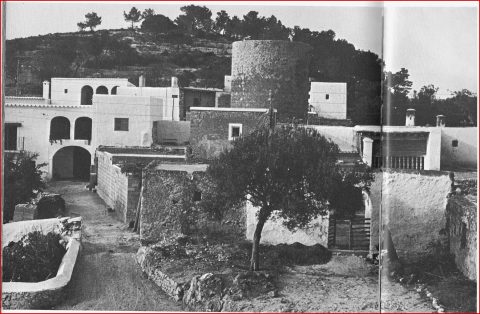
{"points": [[240, 156]]}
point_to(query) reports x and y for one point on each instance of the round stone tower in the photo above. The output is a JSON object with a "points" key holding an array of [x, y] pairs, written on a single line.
{"points": [[261, 66]]}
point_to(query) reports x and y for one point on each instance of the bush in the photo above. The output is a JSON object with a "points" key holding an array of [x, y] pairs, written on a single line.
{"points": [[50, 206], [36, 257]]}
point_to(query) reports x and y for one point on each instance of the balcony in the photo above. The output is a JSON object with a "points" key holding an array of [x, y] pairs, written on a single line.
{"points": [[399, 162]]}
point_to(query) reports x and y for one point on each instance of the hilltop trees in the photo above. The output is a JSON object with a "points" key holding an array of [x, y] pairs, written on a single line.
{"points": [[158, 23], [288, 173], [195, 18], [92, 20], [134, 16]]}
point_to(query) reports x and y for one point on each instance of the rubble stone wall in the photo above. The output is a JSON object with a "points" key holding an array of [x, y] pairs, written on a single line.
{"points": [[413, 205], [169, 210], [209, 129], [260, 66], [462, 231]]}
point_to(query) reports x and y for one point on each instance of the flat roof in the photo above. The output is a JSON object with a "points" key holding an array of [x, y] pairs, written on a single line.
{"points": [[203, 89], [190, 168], [230, 109]]}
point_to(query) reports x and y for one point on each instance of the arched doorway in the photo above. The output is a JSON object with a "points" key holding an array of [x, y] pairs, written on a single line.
{"points": [[102, 90], [83, 128], [87, 95], [71, 162], [59, 129], [114, 90]]}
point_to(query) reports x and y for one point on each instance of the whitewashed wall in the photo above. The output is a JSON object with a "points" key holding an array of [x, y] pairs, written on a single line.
{"points": [[275, 233]]}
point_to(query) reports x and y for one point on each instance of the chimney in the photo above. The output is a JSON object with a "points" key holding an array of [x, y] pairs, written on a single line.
{"points": [[227, 83], [410, 117], [174, 82], [46, 90], [141, 81], [440, 120]]}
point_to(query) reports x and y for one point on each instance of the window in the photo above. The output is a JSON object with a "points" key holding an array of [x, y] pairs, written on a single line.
{"points": [[197, 196], [121, 124], [196, 102], [455, 143], [327, 96], [11, 136], [234, 131], [65, 90]]}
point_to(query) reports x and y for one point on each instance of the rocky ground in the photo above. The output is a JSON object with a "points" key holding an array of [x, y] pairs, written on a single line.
{"points": [[215, 277]]}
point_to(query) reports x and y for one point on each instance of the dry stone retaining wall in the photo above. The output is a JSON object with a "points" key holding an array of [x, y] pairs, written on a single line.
{"points": [[462, 228]]}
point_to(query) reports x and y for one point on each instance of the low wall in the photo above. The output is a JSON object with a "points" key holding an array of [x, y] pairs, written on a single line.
{"points": [[344, 137], [177, 132], [459, 148], [274, 232], [119, 190], [462, 222], [413, 207], [169, 209], [44, 294]]}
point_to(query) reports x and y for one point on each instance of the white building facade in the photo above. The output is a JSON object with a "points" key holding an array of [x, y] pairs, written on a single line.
{"points": [[76, 115], [328, 100]]}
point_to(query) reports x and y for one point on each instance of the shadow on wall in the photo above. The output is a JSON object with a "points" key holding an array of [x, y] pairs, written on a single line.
{"points": [[459, 149], [413, 207]]}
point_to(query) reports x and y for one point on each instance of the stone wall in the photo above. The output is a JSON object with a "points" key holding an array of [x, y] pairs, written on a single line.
{"points": [[462, 223], [260, 66], [169, 208], [274, 232], [120, 191], [413, 205], [209, 129]]}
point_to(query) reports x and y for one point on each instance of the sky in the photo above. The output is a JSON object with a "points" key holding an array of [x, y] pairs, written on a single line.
{"points": [[438, 44]]}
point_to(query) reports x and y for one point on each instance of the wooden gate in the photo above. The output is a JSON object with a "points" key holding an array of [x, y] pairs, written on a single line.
{"points": [[349, 234]]}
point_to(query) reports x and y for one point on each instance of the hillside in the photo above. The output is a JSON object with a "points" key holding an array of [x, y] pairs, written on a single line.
{"points": [[116, 53]]}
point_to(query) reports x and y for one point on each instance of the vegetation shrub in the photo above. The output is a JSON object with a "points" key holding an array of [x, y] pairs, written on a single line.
{"points": [[50, 206], [36, 257]]}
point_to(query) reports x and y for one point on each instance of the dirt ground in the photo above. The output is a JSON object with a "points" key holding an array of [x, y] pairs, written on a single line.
{"points": [[106, 276], [345, 284]]}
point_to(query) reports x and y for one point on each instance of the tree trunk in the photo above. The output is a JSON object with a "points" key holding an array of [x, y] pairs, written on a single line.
{"points": [[254, 261]]}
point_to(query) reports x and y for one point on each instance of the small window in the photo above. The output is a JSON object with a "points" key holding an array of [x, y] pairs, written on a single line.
{"points": [[121, 124], [455, 143], [234, 131], [197, 196], [65, 90], [327, 96]]}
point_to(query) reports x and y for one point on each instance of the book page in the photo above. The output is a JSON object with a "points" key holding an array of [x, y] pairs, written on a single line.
{"points": [[429, 155]]}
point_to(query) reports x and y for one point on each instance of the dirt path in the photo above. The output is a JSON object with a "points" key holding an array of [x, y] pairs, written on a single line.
{"points": [[106, 276]]}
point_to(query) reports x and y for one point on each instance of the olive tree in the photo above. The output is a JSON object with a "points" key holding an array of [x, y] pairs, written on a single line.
{"points": [[289, 172]]}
